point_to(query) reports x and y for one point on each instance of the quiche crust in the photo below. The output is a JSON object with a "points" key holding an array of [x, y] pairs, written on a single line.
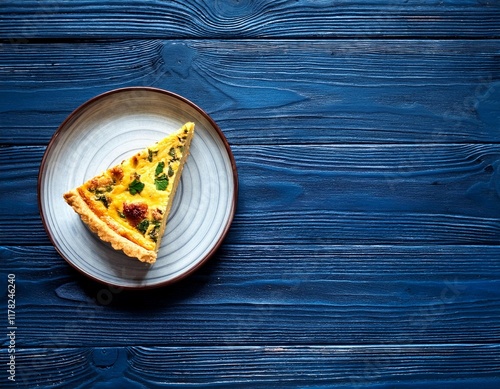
{"points": [[128, 204], [106, 231]]}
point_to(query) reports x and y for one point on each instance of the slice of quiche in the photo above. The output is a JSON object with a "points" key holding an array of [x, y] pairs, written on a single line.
{"points": [[128, 204]]}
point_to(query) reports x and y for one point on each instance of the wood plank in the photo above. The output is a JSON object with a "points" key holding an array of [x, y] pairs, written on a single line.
{"points": [[261, 295], [270, 91], [45, 367], [277, 366], [248, 19], [19, 167], [322, 366], [330, 194]]}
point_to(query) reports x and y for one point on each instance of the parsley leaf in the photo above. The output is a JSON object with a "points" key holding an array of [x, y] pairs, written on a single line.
{"points": [[135, 187], [159, 168], [143, 226], [161, 182], [170, 171]]}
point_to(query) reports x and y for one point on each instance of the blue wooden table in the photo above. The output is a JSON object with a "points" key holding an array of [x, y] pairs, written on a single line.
{"points": [[365, 247]]}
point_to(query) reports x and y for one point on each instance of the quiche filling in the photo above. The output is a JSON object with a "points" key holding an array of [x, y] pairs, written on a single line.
{"points": [[128, 204]]}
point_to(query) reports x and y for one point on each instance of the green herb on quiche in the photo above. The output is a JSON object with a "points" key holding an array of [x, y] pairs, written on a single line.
{"points": [[135, 187], [161, 182], [143, 226]]}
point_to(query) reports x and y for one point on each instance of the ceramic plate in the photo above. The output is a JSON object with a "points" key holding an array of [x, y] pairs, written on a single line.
{"points": [[103, 132]]}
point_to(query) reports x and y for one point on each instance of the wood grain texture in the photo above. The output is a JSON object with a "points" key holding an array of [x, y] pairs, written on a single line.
{"points": [[270, 91], [365, 249], [261, 295], [248, 19], [19, 199], [453, 366], [329, 194]]}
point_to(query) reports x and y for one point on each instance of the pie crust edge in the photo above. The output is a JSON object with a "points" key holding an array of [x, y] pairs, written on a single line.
{"points": [[105, 232]]}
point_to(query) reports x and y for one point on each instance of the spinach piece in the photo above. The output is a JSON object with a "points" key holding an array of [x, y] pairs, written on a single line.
{"points": [[135, 187], [143, 226], [161, 182]]}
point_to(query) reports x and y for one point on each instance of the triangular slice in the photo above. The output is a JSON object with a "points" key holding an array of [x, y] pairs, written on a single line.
{"points": [[128, 204]]}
